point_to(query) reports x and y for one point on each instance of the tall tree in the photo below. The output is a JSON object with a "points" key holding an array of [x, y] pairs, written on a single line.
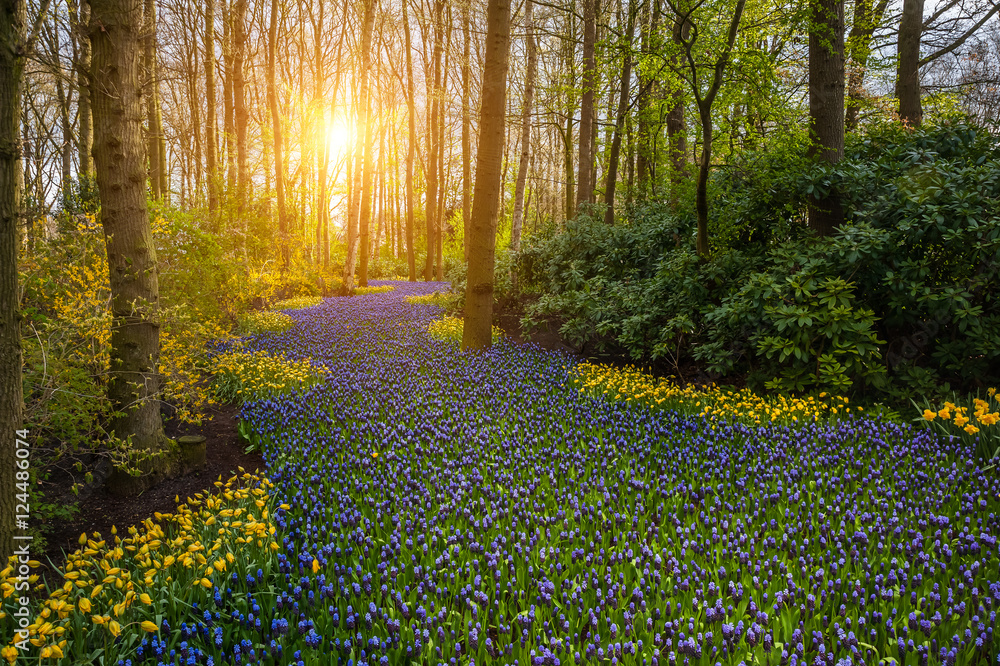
{"points": [[80, 17], [279, 163], [912, 27], [211, 143], [229, 124], [676, 125], [362, 137], [115, 31], [15, 44], [411, 144], [826, 103], [586, 160], [517, 217], [365, 216], [705, 90], [908, 66], [478, 328], [433, 144], [867, 17], [466, 125], [616, 142], [156, 149], [240, 115]]}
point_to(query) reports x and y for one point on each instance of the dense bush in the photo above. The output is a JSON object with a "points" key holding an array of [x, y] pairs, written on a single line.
{"points": [[904, 296]]}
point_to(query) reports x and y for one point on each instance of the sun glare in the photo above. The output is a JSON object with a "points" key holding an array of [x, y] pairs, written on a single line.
{"points": [[338, 137]]}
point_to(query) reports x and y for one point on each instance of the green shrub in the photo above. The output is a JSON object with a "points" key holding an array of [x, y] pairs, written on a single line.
{"points": [[905, 296]]}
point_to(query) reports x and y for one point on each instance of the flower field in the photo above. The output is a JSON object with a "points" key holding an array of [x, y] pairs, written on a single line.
{"points": [[516, 507]]}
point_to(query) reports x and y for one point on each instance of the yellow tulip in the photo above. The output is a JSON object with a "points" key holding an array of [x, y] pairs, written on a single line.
{"points": [[148, 626]]}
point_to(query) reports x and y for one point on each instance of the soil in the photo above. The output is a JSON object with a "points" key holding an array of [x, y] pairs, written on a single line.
{"points": [[99, 510]]}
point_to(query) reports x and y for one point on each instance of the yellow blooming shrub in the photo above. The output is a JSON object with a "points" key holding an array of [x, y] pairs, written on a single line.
{"points": [[242, 376], [973, 420], [449, 329], [115, 587], [633, 385]]}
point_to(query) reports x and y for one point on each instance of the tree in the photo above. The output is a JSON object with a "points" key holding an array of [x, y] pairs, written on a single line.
{"points": [[908, 67], [859, 48], [15, 43], [522, 167], [411, 145], [616, 144], [240, 115], [362, 137], [115, 31], [826, 104], [80, 20], [156, 150], [705, 92], [953, 17], [466, 125], [586, 159], [211, 144], [279, 164], [478, 328]]}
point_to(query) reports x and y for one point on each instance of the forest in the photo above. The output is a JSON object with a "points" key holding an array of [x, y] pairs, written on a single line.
{"points": [[533, 332]]}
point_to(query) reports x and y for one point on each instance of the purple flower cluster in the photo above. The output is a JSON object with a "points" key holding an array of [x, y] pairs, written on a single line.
{"points": [[474, 508]]}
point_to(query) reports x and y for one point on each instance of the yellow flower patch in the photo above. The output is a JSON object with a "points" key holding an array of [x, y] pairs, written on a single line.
{"points": [[631, 384]]}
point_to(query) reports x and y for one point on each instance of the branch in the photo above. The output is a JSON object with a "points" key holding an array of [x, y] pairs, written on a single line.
{"points": [[961, 40], [35, 28]]}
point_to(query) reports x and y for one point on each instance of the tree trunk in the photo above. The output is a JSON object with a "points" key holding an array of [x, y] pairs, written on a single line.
{"points": [[826, 103], [154, 127], [240, 116], [589, 82], [194, 102], [13, 18], [360, 151], [440, 218], [616, 142], [115, 31], [859, 48], [676, 127], [908, 69], [643, 158], [279, 164], [477, 333], [701, 193], [466, 130], [229, 126], [410, 145], [85, 139], [322, 157], [211, 144], [517, 217], [433, 147], [366, 193]]}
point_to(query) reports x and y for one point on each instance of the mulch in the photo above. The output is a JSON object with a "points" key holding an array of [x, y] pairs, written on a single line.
{"points": [[99, 511]]}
